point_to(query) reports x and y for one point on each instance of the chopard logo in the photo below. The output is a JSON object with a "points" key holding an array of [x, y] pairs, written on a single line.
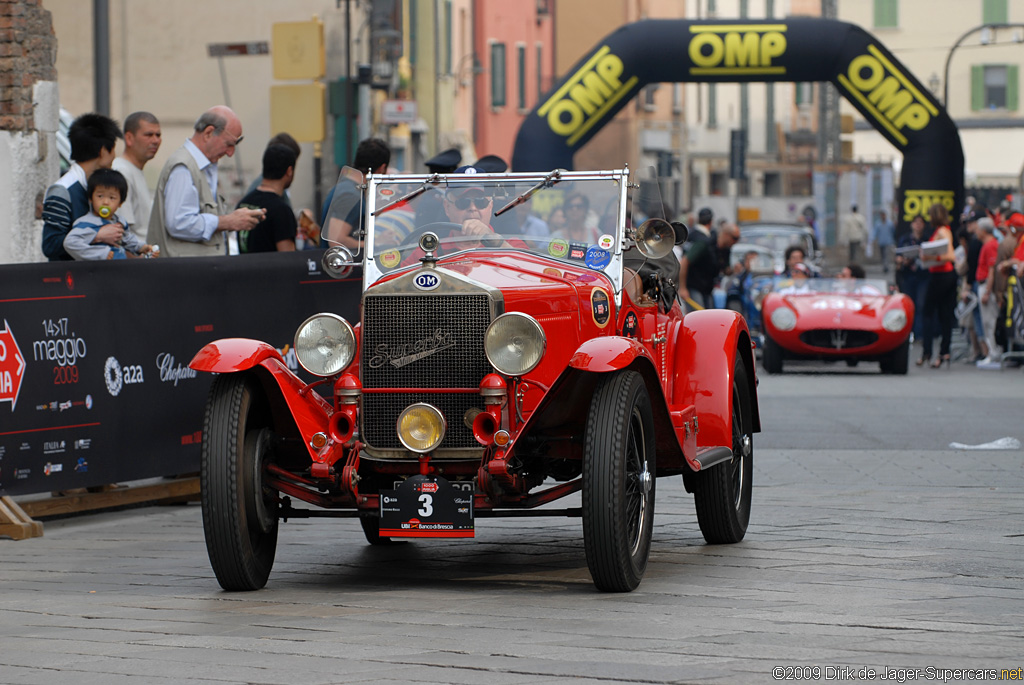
{"points": [[401, 355]]}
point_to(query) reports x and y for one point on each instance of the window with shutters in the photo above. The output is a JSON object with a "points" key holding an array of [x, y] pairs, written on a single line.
{"points": [[994, 86], [498, 75]]}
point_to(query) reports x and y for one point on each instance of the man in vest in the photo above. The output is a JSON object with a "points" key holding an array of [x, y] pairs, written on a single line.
{"points": [[189, 218]]}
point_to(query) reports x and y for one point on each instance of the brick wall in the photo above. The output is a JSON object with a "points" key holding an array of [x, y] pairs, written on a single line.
{"points": [[28, 53]]}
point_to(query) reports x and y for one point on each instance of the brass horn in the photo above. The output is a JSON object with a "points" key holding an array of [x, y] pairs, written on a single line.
{"points": [[654, 238]]}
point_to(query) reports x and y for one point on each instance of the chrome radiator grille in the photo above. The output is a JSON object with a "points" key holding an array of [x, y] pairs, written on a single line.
{"points": [[422, 341]]}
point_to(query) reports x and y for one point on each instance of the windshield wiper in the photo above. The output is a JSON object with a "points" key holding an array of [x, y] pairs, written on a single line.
{"points": [[549, 180], [433, 180]]}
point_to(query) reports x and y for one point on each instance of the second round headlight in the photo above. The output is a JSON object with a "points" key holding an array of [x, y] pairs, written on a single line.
{"points": [[514, 343], [784, 319], [894, 320], [325, 344]]}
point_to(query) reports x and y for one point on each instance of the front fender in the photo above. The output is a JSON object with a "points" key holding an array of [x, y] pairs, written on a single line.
{"points": [[233, 354], [602, 355], [707, 346], [310, 412]]}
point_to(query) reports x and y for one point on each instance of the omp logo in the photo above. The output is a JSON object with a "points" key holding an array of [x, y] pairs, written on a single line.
{"points": [[587, 96], [737, 49], [917, 202], [887, 94]]}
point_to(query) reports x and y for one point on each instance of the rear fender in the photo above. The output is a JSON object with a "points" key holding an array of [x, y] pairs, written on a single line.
{"points": [[706, 346], [309, 411]]}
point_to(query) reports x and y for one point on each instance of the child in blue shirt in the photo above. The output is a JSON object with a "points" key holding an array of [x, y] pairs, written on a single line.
{"points": [[107, 189]]}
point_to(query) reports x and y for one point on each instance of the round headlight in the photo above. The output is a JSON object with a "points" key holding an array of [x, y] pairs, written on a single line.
{"points": [[784, 319], [894, 320], [421, 428], [514, 343], [325, 344]]}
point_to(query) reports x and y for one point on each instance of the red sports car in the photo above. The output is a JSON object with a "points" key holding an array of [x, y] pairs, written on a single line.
{"points": [[837, 318]]}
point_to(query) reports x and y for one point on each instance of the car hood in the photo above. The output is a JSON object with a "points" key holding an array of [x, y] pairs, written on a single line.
{"points": [[528, 282], [821, 304]]}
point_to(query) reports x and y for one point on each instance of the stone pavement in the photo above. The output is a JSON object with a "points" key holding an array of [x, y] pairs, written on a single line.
{"points": [[872, 546]]}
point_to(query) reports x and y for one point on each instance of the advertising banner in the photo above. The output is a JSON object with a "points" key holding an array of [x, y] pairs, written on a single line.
{"points": [[94, 380], [794, 49]]}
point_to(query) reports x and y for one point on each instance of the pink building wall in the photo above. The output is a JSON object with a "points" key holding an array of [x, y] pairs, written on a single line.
{"points": [[515, 25]]}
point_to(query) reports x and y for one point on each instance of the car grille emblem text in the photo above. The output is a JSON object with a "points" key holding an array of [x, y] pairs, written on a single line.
{"points": [[401, 355]]}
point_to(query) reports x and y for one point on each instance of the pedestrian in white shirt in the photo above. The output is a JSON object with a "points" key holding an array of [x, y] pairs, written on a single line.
{"points": [[142, 139]]}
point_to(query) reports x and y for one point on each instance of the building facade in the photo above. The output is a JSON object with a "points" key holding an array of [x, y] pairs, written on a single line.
{"points": [[955, 48]]}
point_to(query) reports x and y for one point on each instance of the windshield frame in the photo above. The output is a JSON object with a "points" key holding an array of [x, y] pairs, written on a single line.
{"points": [[613, 271]]}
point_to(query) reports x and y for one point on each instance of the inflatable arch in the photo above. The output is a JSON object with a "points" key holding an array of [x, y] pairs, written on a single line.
{"points": [[795, 49]]}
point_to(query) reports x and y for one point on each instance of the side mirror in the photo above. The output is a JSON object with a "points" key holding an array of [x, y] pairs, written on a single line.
{"points": [[338, 262], [654, 238]]}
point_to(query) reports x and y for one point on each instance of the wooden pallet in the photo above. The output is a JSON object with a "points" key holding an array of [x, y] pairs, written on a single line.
{"points": [[15, 523]]}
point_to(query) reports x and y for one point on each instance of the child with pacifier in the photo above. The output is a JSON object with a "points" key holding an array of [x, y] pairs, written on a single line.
{"points": [[107, 190]]}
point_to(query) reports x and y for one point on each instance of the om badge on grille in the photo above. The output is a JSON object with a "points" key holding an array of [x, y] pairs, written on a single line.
{"points": [[426, 281]]}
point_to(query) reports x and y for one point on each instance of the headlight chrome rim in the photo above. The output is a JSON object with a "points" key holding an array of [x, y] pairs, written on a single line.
{"points": [[425, 414], [783, 319], [520, 331], [894, 320], [329, 354]]}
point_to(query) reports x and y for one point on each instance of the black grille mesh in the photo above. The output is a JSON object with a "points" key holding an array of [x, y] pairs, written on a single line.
{"points": [[824, 337], [402, 326]]}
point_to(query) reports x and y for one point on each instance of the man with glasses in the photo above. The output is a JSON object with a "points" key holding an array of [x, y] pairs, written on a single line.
{"points": [[189, 217], [470, 206]]}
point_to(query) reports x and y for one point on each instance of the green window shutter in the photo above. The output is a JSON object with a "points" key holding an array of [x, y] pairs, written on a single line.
{"points": [[994, 12], [1011, 87], [977, 87], [886, 13]]}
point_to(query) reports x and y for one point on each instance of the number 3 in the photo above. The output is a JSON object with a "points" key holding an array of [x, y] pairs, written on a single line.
{"points": [[428, 508]]}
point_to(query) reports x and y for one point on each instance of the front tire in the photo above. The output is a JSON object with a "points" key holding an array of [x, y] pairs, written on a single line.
{"points": [[723, 492], [771, 356], [618, 482], [898, 360], [239, 513]]}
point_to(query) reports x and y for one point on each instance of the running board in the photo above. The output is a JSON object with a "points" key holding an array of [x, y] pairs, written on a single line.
{"points": [[710, 456]]}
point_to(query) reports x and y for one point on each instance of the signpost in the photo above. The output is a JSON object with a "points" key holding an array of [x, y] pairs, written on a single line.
{"points": [[399, 112]]}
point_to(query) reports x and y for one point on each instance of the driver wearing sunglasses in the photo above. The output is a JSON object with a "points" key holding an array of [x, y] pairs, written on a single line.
{"points": [[471, 208]]}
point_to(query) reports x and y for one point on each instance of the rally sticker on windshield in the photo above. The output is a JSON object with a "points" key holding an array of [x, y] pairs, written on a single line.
{"points": [[605, 242], [558, 248], [596, 258], [601, 306], [390, 259]]}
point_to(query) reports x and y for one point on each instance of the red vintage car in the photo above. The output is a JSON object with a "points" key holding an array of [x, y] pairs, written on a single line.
{"points": [[836, 319], [497, 367]]}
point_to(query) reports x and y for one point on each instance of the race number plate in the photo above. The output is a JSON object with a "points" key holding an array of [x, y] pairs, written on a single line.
{"points": [[426, 507]]}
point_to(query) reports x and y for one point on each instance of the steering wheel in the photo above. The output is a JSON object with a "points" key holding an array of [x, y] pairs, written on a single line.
{"points": [[443, 229]]}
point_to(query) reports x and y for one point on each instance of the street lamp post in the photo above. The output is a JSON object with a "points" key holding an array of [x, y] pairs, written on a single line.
{"points": [[961, 39]]}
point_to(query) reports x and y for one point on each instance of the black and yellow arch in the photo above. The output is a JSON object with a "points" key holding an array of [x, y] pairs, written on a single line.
{"points": [[801, 49]]}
